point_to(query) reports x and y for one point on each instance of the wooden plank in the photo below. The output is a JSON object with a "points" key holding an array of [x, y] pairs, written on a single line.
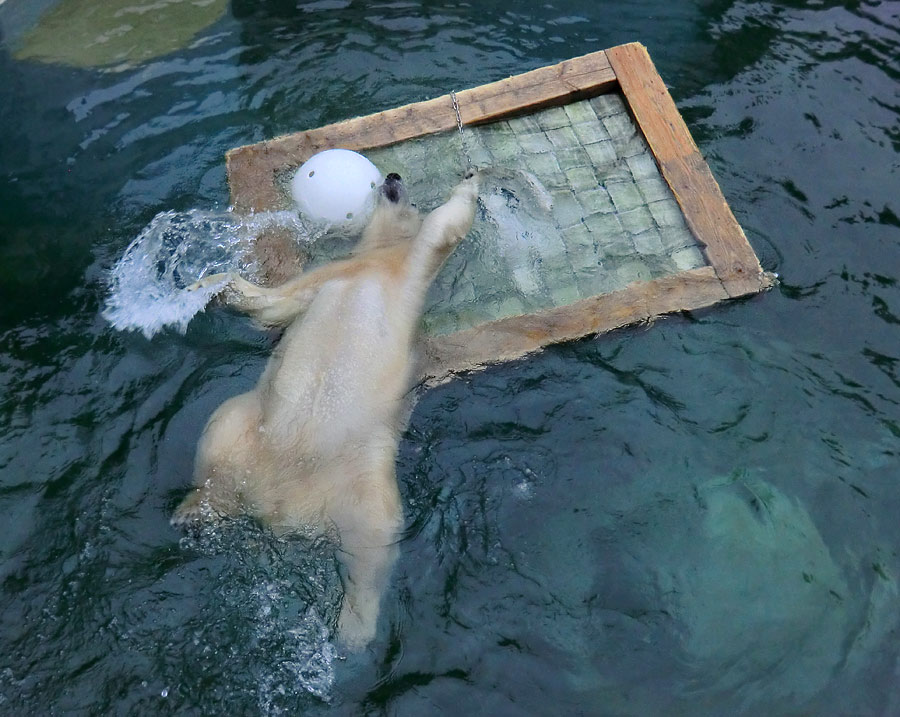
{"points": [[252, 169], [516, 336], [565, 82], [683, 167]]}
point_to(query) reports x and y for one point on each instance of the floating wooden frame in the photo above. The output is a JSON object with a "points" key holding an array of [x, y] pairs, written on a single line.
{"points": [[732, 269]]}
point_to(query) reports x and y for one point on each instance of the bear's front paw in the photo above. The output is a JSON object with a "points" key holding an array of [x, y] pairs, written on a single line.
{"points": [[469, 186], [211, 280]]}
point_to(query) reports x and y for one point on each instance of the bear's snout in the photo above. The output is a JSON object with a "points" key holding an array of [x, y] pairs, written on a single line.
{"points": [[393, 189]]}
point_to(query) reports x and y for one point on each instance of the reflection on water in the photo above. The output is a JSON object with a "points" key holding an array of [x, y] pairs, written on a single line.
{"points": [[85, 33], [696, 518]]}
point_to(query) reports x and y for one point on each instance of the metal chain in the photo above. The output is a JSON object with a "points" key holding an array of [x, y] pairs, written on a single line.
{"points": [[459, 126], [456, 109]]}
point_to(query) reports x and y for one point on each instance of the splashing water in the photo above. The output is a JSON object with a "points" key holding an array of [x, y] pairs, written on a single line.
{"points": [[302, 658], [515, 242], [277, 598], [517, 210], [148, 285]]}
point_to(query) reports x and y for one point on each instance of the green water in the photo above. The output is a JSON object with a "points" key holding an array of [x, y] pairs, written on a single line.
{"points": [[697, 517]]}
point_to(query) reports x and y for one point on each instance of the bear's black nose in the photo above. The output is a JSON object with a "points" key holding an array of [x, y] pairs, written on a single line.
{"points": [[392, 187]]}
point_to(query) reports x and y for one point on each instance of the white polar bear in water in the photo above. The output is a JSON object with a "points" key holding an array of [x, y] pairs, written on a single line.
{"points": [[315, 443]]}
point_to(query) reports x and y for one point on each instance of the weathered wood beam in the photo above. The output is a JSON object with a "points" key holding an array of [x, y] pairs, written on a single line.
{"points": [[684, 169], [252, 168], [516, 336]]}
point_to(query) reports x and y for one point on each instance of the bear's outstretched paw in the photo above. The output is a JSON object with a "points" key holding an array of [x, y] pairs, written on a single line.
{"points": [[224, 279], [468, 187]]}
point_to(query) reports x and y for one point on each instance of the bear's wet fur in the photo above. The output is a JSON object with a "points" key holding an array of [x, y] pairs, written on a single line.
{"points": [[314, 444]]}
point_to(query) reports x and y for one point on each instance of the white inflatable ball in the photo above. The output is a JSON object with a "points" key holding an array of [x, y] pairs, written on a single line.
{"points": [[335, 186]]}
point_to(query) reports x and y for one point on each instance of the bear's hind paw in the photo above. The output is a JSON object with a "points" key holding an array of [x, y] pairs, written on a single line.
{"points": [[193, 510]]}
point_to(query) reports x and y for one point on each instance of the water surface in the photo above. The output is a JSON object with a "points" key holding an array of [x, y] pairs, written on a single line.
{"points": [[695, 517]]}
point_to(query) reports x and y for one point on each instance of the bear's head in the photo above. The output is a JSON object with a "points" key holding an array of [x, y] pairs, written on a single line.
{"points": [[394, 219]]}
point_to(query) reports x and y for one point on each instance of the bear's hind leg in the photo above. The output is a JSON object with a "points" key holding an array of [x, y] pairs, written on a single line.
{"points": [[202, 505], [365, 572], [369, 522], [223, 461]]}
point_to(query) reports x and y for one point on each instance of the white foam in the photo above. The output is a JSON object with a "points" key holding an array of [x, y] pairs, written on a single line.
{"points": [[516, 244], [302, 656], [148, 284]]}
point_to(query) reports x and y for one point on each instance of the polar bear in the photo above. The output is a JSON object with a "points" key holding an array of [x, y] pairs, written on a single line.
{"points": [[314, 444]]}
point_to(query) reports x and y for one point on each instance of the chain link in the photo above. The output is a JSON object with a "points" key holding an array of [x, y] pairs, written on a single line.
{"points": [[459, 126]]}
